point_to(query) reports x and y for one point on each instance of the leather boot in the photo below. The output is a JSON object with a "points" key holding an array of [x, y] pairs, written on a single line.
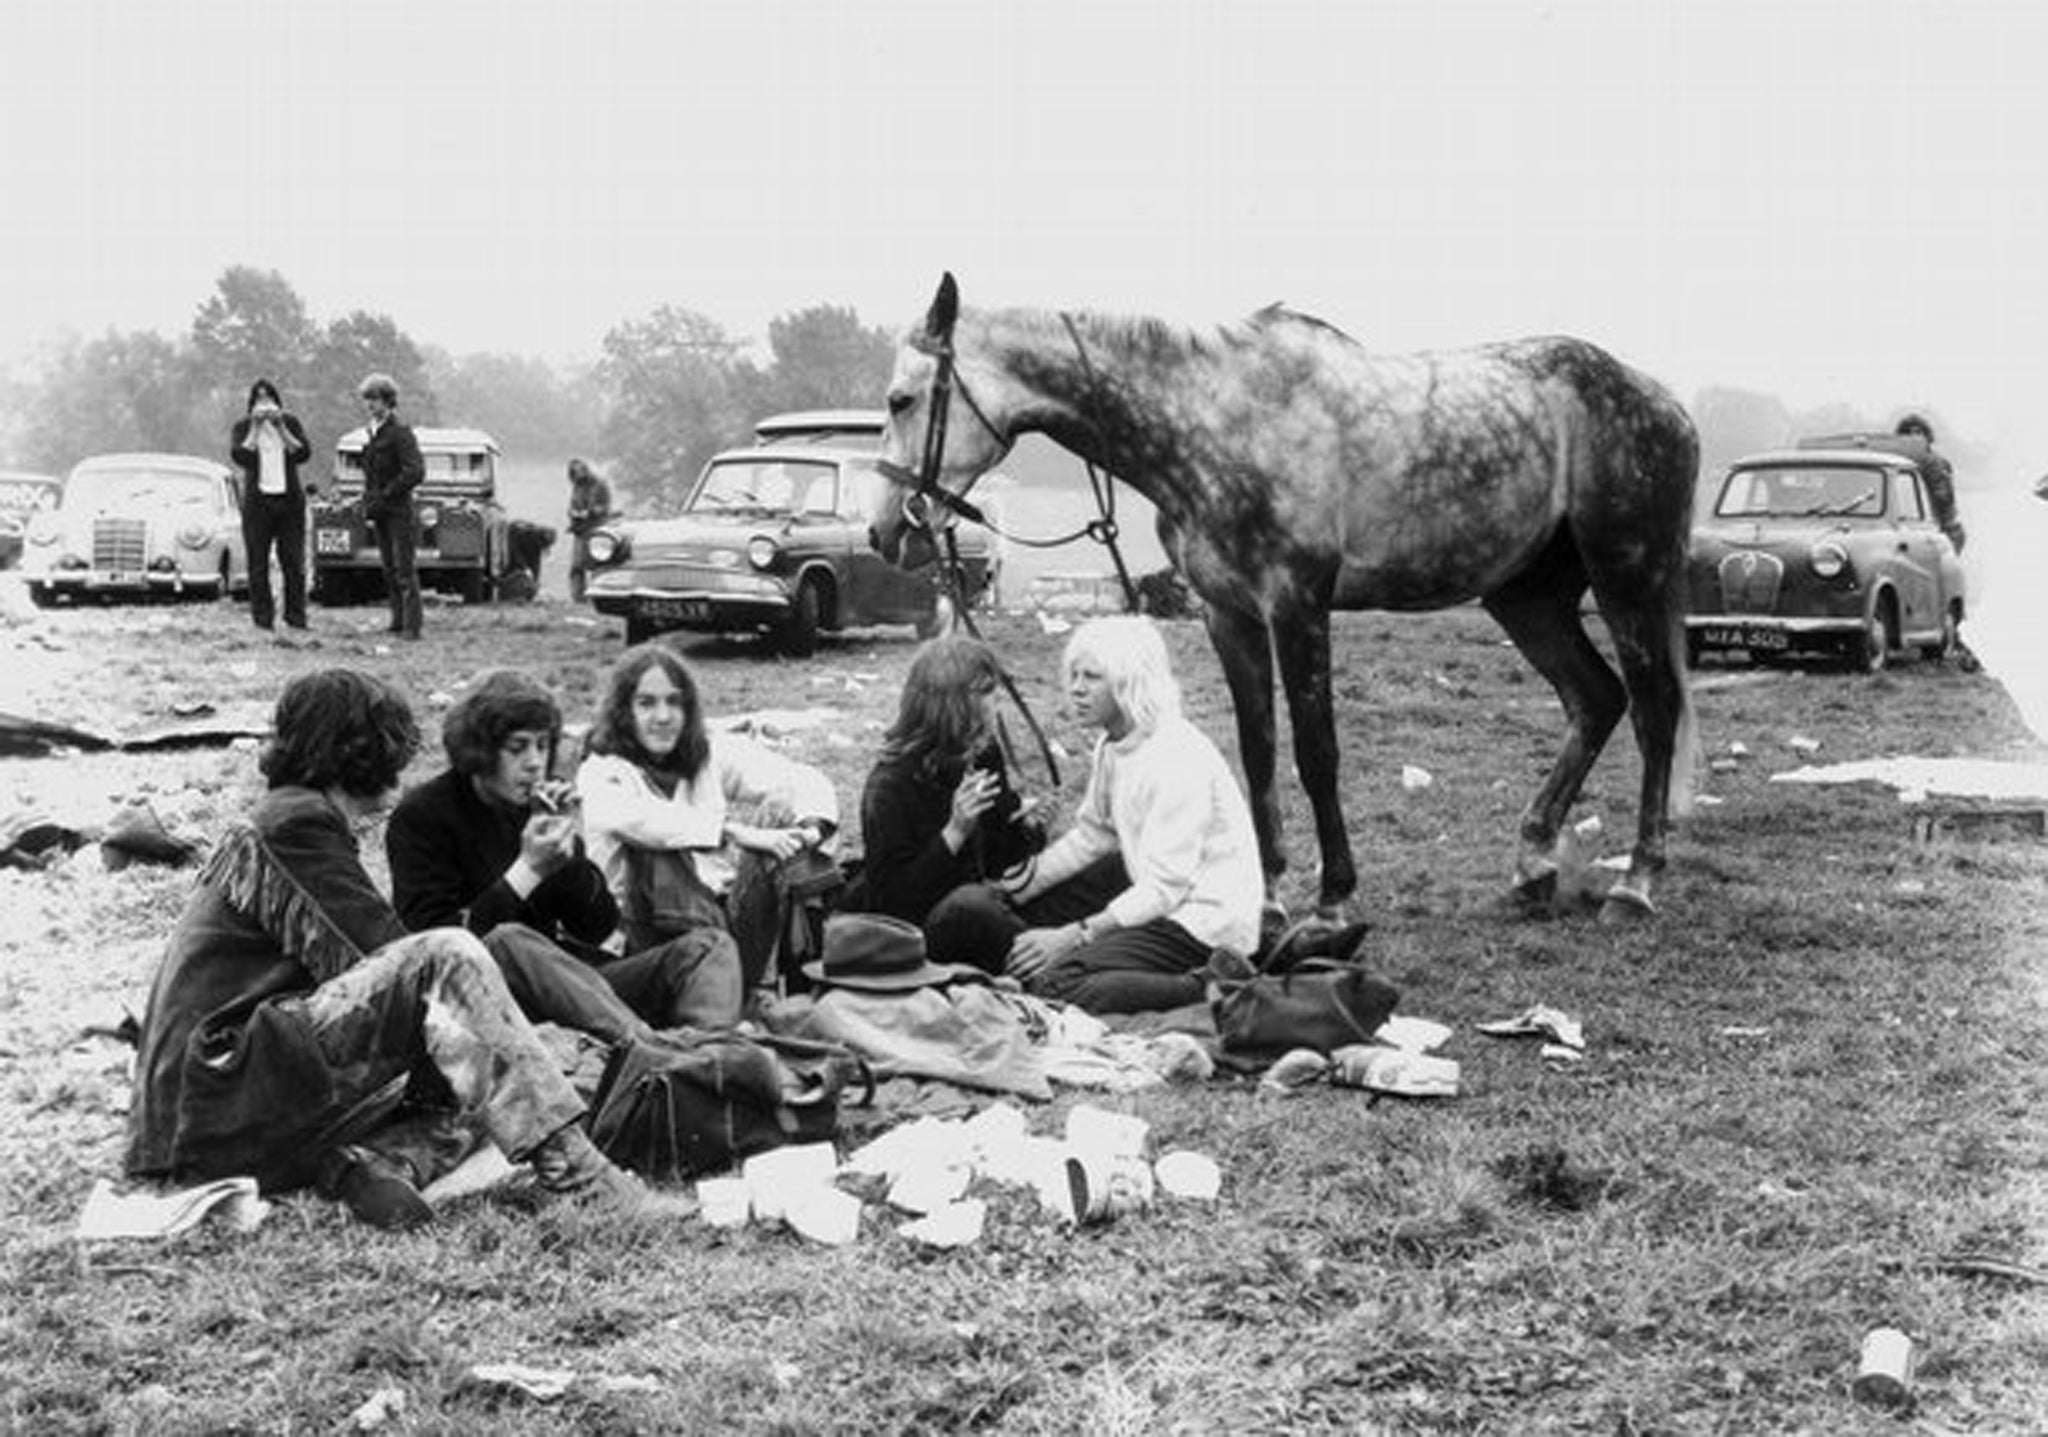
{"points": [[376, 1189], [569, 1164]]}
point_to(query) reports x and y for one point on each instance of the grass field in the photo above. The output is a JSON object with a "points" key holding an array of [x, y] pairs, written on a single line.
{"points": [[1812, 1080]]}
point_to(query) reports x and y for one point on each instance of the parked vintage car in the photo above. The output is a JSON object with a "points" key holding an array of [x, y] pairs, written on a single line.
{"points": [[22, 497], [133, 526], [774, 538], [1826, 549], [464, 540]]}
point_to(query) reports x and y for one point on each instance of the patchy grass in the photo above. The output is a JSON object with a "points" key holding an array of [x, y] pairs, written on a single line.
{"points": [[1817, 1072]]}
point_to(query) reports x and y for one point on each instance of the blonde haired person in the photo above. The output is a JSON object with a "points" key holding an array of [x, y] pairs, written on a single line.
{"points": [[1120, 913]]}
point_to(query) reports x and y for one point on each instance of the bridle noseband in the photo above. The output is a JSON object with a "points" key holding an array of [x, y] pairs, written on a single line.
{"points": [[925, 489]]}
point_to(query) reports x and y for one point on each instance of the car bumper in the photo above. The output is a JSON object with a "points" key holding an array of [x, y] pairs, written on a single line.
{"points": [[90, 581], [738, 601], [1769, 632]]}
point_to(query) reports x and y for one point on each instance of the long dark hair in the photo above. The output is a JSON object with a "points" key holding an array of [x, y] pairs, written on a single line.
{"points": [[340, 728], [497, 705], [940, 724], [612, 730]]}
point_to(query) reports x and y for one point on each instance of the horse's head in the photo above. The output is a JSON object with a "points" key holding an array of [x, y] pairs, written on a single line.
{"points": [[947, 427]]}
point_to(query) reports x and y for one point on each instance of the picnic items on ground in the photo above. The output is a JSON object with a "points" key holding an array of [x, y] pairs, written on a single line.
{"points": [[1567, 1036], [1320, 1004], [681, 1102], [149, 1213], [875, 953]]}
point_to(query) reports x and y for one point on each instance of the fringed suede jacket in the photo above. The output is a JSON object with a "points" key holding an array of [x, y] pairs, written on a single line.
{"points": [[230, 1079]]}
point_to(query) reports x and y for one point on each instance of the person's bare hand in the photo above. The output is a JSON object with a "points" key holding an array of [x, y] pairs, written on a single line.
{"points": [[976, 794], [1036, 949], [548, 841], [778, 843]]}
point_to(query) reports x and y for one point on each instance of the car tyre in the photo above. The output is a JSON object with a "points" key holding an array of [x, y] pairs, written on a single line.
{"points": [[1951, 636], [42, 596], [1873, 650], [800, 628]]}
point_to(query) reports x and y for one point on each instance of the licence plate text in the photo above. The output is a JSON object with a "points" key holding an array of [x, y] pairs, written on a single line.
{"points": [[1748, 636], [679, 611], [334, 541]]}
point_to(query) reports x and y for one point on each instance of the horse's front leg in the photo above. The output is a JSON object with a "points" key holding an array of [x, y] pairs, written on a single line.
{"points": [[1301, 634], [1244, 647]]}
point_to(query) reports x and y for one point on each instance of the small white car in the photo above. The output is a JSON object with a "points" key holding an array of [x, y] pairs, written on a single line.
{"points": [[139, 526]]}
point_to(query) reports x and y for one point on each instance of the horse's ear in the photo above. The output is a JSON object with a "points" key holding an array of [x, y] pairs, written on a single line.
{"points": [[938, 321]]}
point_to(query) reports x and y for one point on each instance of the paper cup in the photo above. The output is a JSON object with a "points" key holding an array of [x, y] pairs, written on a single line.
{"points": [[825, 1215], [724, 1202], [775, 1179], [1884, 1375], [1103, 1188], [1183, 1174], [1098, 1130]]}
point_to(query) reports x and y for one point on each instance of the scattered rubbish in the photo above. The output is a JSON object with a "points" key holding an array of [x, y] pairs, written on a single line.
{"points": [[929, 1187], [1392, 1071], [1414, 779], [1537, 1021], [825, 1215], [1978, 1264], [1296, 1069], [724, 1202], [1185, 1174], [109, 1214], [1180, 1058], [483, 1170], [1052, 625], [1411, 1034], [1734, 1031], [1800, 743], [1723, 765], [542, 1384], [957, 1224], [1988, 778], [1707, 800], [36, 842], [777, 1178], [1738, 749], [1111, 1134], [1558, 1055], [1102, 1187], [1884, 1374], [384, 1405], [193, 708]]}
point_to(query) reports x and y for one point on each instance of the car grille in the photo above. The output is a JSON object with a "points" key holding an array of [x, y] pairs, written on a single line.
{"points": [[688, 578], [120, 544], [1750, 581]]}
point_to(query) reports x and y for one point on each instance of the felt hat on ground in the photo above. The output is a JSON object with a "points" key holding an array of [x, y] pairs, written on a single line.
{"points": [[879, 954]]}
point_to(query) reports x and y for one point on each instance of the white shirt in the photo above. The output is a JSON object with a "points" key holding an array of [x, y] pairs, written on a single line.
{"points": [[269, 460], [1168, 803], [621, 807]]}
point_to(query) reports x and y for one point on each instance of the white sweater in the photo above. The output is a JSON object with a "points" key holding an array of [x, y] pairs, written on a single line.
{"points": [[620, 807], [1166, 801]]}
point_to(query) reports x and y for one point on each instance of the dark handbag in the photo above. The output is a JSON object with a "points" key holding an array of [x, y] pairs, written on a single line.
{"points": [[681, 1103], [1320, 1003], [808, 887]]}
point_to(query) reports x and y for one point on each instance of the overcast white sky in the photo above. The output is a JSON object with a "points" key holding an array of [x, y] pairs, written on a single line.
{"points": [[1838, 200]]}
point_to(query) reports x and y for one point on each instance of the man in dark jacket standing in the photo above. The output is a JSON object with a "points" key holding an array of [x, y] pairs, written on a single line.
{"points": [[590, 505], [392, 469], [269, 444]]}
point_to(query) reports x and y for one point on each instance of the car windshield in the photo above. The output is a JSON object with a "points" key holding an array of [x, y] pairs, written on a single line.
{"points": [[1806, 492], [780, 486], [133, 488]]}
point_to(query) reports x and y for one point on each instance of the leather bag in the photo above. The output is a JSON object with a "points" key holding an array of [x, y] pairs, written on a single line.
{"points": [[682, 1103], [1320, 1003]]}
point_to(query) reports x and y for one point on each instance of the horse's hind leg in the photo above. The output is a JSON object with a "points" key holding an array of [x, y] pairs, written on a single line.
{"points": [[1540, 611], [1244, 647], [1649, 640], [1301, 634]]}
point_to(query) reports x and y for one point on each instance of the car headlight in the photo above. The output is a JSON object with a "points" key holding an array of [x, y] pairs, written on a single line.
{"points": [[1828, 558], [761, 551], [194, 536], [42, 536], [605, 547], [429, 516]]}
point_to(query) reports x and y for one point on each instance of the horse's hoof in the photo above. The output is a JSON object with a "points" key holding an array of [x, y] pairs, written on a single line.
{"points": [[1535, 891], [1626, 905]]}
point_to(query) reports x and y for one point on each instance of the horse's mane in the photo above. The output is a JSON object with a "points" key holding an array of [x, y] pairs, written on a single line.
{"points": [[1278, 313]]}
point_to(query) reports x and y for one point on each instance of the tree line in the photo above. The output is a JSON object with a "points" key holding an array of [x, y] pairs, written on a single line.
{"points": [[667, 390]]}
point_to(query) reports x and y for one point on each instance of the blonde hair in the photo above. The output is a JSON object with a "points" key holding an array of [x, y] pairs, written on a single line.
{"points": [[1133, 658]]}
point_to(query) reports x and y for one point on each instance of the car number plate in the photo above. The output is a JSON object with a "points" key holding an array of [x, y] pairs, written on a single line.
{"points": [[334, 541], [679, 611], [116, 579], [1748, 636]]}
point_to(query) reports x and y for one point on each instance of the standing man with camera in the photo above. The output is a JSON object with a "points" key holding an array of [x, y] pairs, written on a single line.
{"points": [[392, 469], [268, 445]]}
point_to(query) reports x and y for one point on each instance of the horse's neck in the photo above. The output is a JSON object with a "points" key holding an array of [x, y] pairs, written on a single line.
{"points": [[1098, 387]]}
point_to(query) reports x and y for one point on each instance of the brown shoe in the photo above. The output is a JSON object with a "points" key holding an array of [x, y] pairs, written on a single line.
{"points": [[569, 1164]]}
